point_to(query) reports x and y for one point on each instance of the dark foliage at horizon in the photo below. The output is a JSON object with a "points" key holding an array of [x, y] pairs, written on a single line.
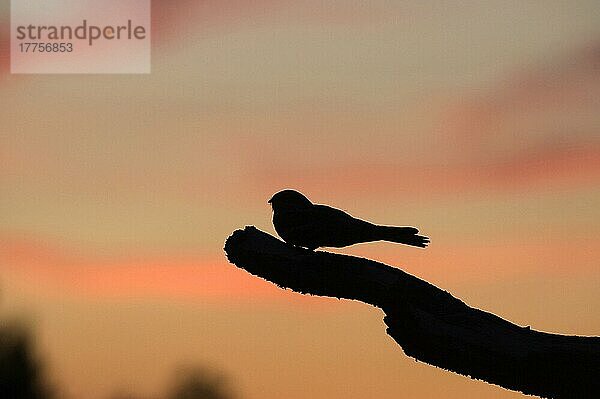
{"points": [[22, 375], [199, 383], [193, 382]]}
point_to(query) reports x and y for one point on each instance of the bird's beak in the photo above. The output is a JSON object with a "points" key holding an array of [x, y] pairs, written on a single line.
{"points": [[270, 201]]}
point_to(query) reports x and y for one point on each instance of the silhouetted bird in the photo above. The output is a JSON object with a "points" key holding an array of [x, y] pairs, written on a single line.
{"points": [[301, 223]]}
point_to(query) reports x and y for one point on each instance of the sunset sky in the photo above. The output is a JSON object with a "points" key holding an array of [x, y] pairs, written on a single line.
{"points": [[478, 122]]}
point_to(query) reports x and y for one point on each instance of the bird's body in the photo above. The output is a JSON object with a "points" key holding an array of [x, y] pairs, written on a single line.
{"points": [[301, 223]]}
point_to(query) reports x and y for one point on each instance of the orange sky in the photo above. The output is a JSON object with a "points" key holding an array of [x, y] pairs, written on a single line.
{"points": [[476, 122]]}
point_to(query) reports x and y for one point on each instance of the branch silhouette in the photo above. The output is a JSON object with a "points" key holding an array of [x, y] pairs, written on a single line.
{"points": [[428, 323]]}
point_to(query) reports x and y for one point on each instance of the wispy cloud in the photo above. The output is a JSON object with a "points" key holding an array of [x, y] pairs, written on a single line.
{"points": [[53, 268], [545, 167], [533, 105]]}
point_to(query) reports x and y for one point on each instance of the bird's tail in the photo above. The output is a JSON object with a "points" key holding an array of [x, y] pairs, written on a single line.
{"points": [[402, 235]]}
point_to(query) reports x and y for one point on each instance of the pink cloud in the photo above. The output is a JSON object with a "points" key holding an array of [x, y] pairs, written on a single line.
{"points": [[549, 167], [49, 268], [559, 87], [537, 130], [174, 21]]}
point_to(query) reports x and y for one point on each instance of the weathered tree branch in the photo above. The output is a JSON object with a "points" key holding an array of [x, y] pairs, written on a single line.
{"points": [[428, 323]]}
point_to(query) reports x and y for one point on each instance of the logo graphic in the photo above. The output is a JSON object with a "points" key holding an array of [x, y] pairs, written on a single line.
{"points": [[80, 36]]}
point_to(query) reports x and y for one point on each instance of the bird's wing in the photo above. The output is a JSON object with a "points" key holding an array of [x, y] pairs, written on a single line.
{"points": [[338, 228], [337, 217], [319, 225], [341, 218]]}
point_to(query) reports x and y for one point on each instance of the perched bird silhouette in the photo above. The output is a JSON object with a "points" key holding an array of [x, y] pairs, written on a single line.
{"points": [[301, 223]]}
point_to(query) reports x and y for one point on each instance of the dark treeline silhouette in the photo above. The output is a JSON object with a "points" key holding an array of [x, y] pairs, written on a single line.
{"points": [[193, 382], [199, 383], [23, 374]]}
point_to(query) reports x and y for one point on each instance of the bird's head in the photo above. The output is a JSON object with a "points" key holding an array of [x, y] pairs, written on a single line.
{"points": [[289, 199]]}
